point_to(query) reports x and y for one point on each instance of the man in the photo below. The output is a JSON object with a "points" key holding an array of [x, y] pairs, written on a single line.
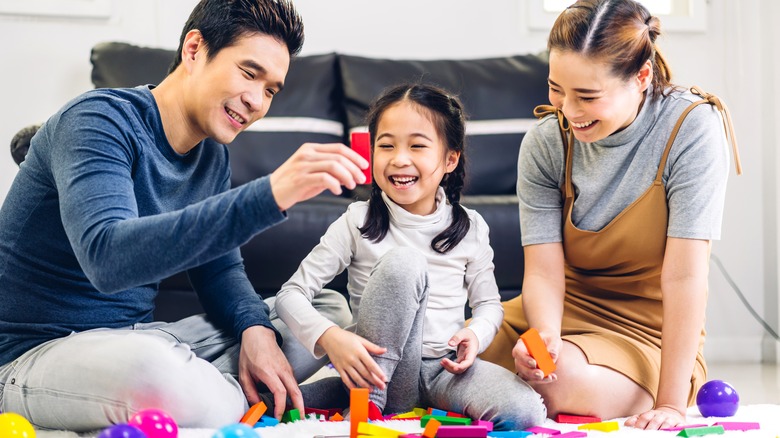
{"points": [[124, 187]]}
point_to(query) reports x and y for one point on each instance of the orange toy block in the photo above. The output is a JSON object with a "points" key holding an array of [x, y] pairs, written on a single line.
{"points": [[254, 414], [536, 348], [358, 409], [336, 417], [430, 428]]}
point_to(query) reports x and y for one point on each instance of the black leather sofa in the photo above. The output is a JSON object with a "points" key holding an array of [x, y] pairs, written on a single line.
{"points": [[325, 98]]}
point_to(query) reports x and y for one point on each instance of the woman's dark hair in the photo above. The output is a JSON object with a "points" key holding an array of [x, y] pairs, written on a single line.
{"points": [[222, 22], [446, 113], [621, 33]]}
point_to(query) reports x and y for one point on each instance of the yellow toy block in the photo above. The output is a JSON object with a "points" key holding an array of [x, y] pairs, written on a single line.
{"points": [[375, 430], [604, 426]]}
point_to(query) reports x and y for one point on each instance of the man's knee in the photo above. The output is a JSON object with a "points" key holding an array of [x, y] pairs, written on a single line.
{"points": [[333, 305]]}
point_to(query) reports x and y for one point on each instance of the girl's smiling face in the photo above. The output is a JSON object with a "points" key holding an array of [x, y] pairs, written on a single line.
{"points": [[410, 158], [595, 101]]}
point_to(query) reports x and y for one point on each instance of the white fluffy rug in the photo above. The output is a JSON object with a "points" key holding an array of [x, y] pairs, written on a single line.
{"points": [[767, 415]]}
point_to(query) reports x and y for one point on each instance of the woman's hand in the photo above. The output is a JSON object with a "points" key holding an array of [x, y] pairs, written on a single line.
{"points": [[467, 347], [661, 417], [351, 355], [526, 365]]}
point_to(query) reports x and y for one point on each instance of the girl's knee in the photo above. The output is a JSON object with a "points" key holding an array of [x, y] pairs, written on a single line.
{"points": [[403, 264]]}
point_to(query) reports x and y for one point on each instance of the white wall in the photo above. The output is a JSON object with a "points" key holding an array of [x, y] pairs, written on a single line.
{"points": [[46, 62]]}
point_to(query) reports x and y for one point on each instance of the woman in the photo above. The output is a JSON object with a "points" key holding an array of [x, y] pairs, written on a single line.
{"points": [[621, 190]]}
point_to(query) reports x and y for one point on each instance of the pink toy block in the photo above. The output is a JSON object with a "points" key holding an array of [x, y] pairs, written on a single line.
{"points": [[679, 428], [572, 434], [461, 432], [734, 425], [486, 424], [543, 430]]}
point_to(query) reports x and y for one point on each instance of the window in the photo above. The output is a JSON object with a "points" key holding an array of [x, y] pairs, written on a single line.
{"points": [[57, 8], [675, 15]]}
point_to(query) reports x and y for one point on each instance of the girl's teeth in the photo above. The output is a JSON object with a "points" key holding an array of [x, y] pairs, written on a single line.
{"points": [[582, 125]]}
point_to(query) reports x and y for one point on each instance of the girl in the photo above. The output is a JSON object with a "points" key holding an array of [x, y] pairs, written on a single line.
{"points": [[620, 197], [414, 255]]}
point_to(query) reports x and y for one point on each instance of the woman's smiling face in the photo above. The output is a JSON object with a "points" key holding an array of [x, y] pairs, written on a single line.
{"points": [[595, 101]]}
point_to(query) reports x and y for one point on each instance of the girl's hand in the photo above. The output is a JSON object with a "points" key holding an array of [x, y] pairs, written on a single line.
{"points": [[467, 347], [351, 355], [661, 417], [526, 365]]}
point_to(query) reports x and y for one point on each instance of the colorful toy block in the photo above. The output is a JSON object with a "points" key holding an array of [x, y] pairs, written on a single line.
{"points": [[605, 426], [430, 428], [291, 415], [538, 350], [576, 419], [735, 425], [510, 434], [358, 409], [437, 412], [374, 414], [572, 434], [486, 424], [375, 430], [445, 420], [336, 417], [701, 431], [543, 430], [461, 432], [361, 143], [679, 428], [253, 415], [266, 421], [318, 413]]}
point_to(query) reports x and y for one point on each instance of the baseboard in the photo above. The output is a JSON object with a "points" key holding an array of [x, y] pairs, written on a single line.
{"points": [[734, 349], [770, 350]]}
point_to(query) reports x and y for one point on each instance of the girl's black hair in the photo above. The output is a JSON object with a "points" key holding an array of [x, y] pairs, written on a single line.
{"points": [[448, 117]]}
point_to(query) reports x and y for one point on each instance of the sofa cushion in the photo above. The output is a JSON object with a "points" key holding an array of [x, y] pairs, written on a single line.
{"points": [[307, 110], [499, 95]]}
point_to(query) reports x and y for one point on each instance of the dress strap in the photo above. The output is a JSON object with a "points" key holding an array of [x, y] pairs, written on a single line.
{"points": [[567, 137], [727, 127]]}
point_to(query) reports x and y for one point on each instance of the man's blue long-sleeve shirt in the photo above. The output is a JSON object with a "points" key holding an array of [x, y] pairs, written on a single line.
{"points": [[103, 208]]}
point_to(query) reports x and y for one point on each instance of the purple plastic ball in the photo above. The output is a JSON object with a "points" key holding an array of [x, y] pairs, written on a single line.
{"points": [[122, 431], [717, 398]]}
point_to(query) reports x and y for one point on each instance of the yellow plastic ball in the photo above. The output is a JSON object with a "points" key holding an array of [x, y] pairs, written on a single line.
{"points": [[15, 426]]}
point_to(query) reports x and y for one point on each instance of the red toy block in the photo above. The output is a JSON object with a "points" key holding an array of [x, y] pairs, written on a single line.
{"points": [[317, 412], [374, 414], [536, 348], [576, 419], [361, 143], [254, 414], [358, 409]]}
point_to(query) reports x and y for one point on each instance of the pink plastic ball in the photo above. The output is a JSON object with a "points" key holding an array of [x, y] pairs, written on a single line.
{"points": [[155, 423], [717, 398]]}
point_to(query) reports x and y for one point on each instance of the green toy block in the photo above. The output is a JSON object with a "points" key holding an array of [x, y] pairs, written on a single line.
{"points": [[446, 420], [701, 431], [291, 415]]}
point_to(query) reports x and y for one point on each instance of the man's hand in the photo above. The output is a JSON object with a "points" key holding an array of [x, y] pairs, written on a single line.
{"points": [[525, 365], [313, 168], [261, 360], [467, 346], [351, 354]]}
